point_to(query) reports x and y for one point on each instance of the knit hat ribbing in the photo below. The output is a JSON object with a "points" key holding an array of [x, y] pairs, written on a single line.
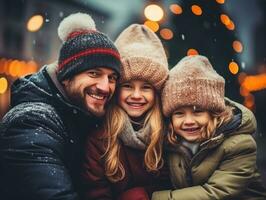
{"points": [[84, 47], [142, 56], [193, 82]]}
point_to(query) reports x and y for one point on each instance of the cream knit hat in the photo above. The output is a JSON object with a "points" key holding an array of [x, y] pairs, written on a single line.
{"points": [[143, 56], [193, 82]]}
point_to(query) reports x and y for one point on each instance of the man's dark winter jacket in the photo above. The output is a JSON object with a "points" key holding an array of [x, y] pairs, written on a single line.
{"points": [[41, 141]]}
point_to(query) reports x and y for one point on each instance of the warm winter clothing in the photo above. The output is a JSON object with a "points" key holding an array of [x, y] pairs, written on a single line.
{"points": [[193, 82], [97, 186], [142, 55], [84, 47], [41, 140], [224, 167]]}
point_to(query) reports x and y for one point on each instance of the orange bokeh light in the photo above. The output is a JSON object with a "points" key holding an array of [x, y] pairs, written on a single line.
{"points": [[233, 67], [237, 46], [154, 26], [196, 10], [231, 26], [166, 34], [220, 1], [192, 52], [176, 9], [255, 83], [225, 19]]}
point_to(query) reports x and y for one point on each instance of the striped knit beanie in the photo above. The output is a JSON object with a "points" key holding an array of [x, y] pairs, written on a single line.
{"points": [[193, 82], [142, 56], [84, 47]]}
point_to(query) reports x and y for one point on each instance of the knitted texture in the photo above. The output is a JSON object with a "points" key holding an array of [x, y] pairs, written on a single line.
{"points": [[84, 47], [142, 55], [193, 82]]}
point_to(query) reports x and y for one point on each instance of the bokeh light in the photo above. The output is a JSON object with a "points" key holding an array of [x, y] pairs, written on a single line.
{"points": [[35, 23], [225, 19], [196, 10], [231, 26], [166, 34], [154, 26], [233, 67], [3, 85], [192, 52], [237, 46], [153, 12], [220, 1], [176, 9]]}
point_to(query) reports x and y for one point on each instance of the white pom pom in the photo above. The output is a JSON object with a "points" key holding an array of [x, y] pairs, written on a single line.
{"points": [[75, 22]]}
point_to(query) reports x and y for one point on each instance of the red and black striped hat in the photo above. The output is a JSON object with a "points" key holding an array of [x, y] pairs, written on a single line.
{"points": [[84, 47]]}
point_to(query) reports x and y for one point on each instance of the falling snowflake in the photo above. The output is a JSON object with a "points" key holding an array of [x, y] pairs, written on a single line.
{"points": [[243, 65], [183, 36], [47, 20], [61, 14]]}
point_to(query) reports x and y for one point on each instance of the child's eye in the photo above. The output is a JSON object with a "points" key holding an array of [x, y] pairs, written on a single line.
{"points": [[147, 87], [198, 111], [126, 85], [178, 113]]}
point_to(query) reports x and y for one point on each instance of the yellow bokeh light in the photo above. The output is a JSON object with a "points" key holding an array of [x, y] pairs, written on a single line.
{"points": [[176, 9], [192, 52], [35, 23], [3, 85], [237, 46], [154, 26], [153, 12], [166, 34], [220, 1], [196, 10], [233, 67]]}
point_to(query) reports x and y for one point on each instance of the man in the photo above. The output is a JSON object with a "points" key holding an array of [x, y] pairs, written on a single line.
{"points": [[53, 110]]}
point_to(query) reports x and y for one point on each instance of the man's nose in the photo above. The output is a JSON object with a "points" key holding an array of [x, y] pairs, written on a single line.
{"points": [[103, 84]]}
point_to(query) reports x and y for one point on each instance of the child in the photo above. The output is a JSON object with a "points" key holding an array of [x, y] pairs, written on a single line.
{"points": [[210, 157], [124, 158]]}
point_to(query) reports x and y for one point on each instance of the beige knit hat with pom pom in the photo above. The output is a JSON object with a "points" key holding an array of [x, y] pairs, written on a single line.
{"points": [[143, 56], [193, 82]]}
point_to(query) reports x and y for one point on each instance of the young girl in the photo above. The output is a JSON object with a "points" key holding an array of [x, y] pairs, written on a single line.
{"points": [[127, 152], [209, 157]]}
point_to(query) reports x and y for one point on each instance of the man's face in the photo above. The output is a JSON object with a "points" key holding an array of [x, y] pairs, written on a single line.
{"points": [[92, 89]]}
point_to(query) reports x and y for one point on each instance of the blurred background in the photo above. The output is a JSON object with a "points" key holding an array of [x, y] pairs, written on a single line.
{"points": [[231, 33]]}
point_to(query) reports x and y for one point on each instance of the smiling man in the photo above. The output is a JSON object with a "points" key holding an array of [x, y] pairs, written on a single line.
{"points": [[53, 110]]}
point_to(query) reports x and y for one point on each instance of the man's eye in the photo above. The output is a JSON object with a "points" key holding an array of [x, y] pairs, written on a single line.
{"points": [[113, 78], [93, 74]]}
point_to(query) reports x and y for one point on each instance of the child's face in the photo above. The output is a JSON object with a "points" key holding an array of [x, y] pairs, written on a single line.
{"points": [[188, 122], [136, 97]]}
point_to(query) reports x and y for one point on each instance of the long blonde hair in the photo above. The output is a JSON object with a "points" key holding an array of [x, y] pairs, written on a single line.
{"points": [[207, 132], [115, 119]]}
